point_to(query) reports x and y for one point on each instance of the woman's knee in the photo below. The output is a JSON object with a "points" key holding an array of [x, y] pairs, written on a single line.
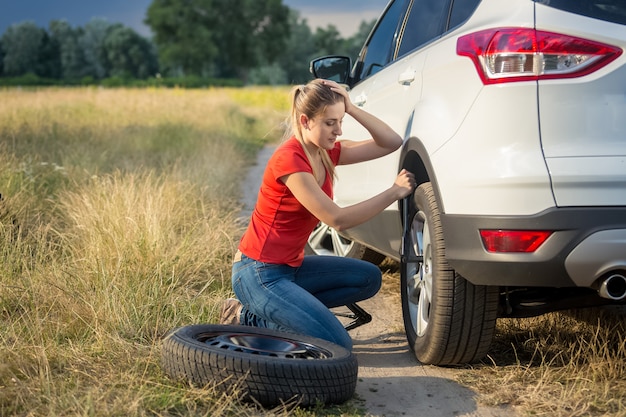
{"points": [[374, 277], [340, 337], [345, 341]]}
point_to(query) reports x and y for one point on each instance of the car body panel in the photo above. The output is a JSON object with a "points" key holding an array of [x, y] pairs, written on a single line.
{"points": [[583, 120], [545, 267], [599, 254], [527, 155]]}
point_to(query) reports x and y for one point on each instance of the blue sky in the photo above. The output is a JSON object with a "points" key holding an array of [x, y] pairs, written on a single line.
{"points": [[345, 14]]}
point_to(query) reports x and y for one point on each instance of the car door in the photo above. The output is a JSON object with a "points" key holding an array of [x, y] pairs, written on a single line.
{"points": [[355, 182], [392, 94]]}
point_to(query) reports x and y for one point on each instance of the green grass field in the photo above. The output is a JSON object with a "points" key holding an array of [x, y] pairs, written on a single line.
{"points": [[118, 222]]}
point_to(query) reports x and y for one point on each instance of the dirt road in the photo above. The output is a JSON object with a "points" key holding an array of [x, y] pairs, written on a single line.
{"points": [[391, 381]]}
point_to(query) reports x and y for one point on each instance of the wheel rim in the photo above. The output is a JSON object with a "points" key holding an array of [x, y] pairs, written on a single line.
{"points": [[264, 345], [325, 240], [419, 275]]}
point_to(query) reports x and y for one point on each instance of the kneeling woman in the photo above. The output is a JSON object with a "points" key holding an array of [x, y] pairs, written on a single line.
{"points": [[277, 286]]}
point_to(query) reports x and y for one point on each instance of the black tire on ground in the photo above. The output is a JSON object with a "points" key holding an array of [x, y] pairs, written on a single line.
{"points": [[261, 365], [324, 240], [447, 319]]}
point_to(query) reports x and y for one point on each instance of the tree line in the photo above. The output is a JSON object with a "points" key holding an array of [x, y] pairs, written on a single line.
{"points": [[245, 41]]}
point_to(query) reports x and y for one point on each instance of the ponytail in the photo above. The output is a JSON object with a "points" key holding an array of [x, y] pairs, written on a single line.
{"points": [[311, 100]]}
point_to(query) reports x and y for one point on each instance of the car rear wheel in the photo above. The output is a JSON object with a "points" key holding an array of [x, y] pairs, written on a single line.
{"points": [[324, 240], [447, 319]]}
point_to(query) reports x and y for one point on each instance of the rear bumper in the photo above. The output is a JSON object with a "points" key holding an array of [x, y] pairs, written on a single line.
{"points": [[588, 242]]}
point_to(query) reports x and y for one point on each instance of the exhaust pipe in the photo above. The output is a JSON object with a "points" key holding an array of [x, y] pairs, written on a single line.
{"points": [[613, 287]]}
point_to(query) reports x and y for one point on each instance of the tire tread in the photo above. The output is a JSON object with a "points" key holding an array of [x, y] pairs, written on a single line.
{"points": [[463, 315], [264, 379]]}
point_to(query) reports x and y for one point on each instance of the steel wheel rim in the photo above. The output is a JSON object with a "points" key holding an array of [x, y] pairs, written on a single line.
{"points": [[264, 345], [419, 275]]}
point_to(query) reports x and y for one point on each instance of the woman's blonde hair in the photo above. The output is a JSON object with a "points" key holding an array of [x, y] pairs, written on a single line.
{"points": [[311, 100]]}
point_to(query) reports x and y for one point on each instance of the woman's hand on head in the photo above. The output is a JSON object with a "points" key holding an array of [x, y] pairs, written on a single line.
{"points": [[340, 90], [405, 183]]}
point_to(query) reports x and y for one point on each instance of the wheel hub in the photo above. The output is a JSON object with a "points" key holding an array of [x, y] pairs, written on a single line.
{"points": [[265, 345], [419, 286]]}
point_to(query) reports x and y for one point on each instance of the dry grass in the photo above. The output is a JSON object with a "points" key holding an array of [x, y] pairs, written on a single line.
{"points": [[556, 365], [118, 224]]}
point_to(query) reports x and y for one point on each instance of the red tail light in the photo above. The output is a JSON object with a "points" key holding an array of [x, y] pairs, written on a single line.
{"points": [[525, 241], [521, 54]]}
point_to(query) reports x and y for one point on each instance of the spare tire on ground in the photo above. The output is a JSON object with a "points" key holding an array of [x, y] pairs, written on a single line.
{"points": [[261, 365]]}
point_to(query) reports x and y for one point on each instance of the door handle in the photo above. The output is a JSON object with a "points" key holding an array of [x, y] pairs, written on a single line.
{"points": [[360, 100], [407, 77]]}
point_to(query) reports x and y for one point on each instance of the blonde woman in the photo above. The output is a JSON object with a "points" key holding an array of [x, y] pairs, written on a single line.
{"points": [[277, 286]]}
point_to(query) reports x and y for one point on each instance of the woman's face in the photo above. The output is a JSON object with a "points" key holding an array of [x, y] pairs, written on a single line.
{"points": [[323, 129]]}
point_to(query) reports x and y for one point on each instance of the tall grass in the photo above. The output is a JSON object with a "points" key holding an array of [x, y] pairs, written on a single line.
{"points": [[117, 224], [557, 365]]}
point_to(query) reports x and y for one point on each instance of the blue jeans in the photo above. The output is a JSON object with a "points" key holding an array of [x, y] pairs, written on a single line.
{"points": [[297, 299]]}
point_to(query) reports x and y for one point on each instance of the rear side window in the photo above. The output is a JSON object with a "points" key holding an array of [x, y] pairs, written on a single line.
{"points": [[608, 10], [380, 48], [461, 11], [427, 21]]}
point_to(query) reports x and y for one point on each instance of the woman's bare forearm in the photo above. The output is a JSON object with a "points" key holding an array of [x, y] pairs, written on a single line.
{"points": [[347, 217], [383, 135]]}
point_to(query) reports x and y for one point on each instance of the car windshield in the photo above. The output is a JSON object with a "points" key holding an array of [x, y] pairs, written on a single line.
{"points": [[607, 10]]}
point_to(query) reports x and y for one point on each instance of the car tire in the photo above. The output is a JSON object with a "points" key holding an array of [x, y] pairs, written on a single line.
{"points": [[324, 240], [261, 365], [447, 319]]}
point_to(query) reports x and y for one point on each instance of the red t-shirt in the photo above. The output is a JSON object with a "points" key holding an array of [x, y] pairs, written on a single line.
{"points": [[280, 225]]}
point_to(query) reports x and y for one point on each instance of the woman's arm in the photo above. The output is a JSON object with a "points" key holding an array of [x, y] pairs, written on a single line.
{"points": [[384, 139], [310, 195]]}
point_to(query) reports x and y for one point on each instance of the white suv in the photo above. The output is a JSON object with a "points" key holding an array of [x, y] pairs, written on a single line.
{"points": [[514, 119]]}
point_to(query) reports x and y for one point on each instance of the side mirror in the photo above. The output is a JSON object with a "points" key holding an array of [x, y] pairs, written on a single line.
{"points": [[335, 68]]}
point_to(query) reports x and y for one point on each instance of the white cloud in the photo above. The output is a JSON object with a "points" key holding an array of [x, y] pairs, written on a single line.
{"points": [[337, 5], [346, 15], [346, 22]]}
